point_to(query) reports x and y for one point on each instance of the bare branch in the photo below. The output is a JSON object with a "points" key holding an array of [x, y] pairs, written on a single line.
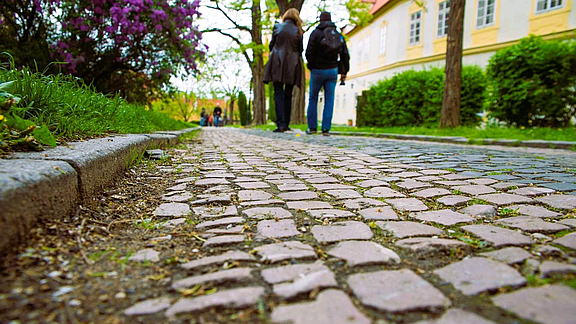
{"points": [[234, 38], [240, 27]]}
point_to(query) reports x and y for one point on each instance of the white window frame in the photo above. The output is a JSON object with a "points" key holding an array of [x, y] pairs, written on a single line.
{"points": [[482, 14], [443, 19], [551, 5], [415, 32], [383, 35], [367, 49]]}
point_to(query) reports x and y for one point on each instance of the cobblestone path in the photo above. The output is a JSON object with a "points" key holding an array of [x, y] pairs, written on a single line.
{"points": [[309, 229]]}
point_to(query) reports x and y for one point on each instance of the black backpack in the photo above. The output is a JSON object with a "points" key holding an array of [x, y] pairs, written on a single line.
{"points": [[331, 42]]}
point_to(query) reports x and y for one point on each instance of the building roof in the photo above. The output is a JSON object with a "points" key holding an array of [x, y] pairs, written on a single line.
{"points": [[379, 5]]}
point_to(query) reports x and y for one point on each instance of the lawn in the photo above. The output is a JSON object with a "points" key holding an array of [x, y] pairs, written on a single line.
{"points": [[549, 134]]}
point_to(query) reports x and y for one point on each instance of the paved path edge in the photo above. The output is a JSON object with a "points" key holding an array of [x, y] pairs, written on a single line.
{"points": [[51, 184], [563, 145]]}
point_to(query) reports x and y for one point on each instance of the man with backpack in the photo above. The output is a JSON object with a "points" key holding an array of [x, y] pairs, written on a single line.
{"points": [[327, 56]]}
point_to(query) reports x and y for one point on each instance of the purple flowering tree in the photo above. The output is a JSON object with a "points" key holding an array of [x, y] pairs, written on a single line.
{"points": [[131, 46]]}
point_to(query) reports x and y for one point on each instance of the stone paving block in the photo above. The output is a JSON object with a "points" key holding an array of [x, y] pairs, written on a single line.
{"points": [[452, 183], [409, 229], [413, 184], [445, 217], [550, 268], [306, 283], [378, 213], [568, 222], [331, 307], [568, 241], [220, 222], [218, 259], [456, 176], [250, 195], [510, 255], [453, 200], [212, 199], [186, 180], [322, 180], [331, 186], [428, 178], [149, 306], [223, 240], [218, 174], [483, 181], [372, 183], [344, 194], [253, 185], [267, 212], [330, 213], [292, 187], [347, 230], [532, 224], [407, 204], [285, 251], [382, 192], [363, 253], [211, 182], [502, 199], [309, 204], [298, 195], [532, 191], [277, 229], [408, 174], [229, 275], [479, 211], [475, 190], [362, 203], [560, 186], [476, 275], [231, 299], [145, 255], [172, 209], [174, 222], [262, 203], [457, 316], [177, 187], [508, 185], [498, 236], [291, 272], [554, 304], [431, 193], [559, 201], [396, 291], [535, 211], [215, 212], [424, 246]]}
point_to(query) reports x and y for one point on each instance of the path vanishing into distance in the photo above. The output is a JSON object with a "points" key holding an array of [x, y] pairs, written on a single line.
{"points": [[251, 226]]}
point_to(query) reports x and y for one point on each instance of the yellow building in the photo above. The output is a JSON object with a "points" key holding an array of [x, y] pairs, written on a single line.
{"points": [[408, 34]]}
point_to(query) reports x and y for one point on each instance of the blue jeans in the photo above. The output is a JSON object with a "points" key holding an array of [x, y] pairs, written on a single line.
{"points": [[217, 120], [319, 79]]}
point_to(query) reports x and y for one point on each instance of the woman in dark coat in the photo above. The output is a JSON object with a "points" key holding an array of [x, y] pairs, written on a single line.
{"points": [[284, 67]]}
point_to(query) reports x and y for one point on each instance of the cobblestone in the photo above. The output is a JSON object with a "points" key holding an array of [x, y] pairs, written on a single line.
{"points": [[348, 230], [233, 298], [409, 229], [497, 235], [363, 253]]}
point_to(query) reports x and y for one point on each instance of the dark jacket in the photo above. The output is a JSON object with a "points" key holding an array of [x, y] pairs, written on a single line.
{"points": [[217, 111], [319, 60], [285, 63]]}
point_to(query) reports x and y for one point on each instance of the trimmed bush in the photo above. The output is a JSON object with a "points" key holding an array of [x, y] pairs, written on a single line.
{"points": [[533, 83], [243, 108], [271, 103], [414, 98]]}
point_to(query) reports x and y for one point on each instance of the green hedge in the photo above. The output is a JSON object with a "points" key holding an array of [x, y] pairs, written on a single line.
{"points": [[533, 83], [414, 98]]}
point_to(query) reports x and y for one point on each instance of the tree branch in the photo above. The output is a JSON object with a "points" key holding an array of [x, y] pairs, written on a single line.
{"points": [[234, 38], [244, 28]]}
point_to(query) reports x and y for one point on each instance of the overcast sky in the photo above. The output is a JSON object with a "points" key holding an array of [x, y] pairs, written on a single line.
{"points": [[216, 42]]}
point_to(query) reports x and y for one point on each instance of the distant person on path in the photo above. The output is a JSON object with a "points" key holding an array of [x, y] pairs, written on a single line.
{"points": [[210, 120], [284, 67], [203, 117], [217, 116], [327, 56]]}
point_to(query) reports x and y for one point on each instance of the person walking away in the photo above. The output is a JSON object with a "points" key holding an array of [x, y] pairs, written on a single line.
{"points": [[327, 56], [203, 117], [284, 66], [217, 116], [210, 120]]}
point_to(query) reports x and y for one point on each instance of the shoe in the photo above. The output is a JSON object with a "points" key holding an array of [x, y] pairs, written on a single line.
{"points": [[279, 130], [288, 129], [311, 131], [325, 133]]}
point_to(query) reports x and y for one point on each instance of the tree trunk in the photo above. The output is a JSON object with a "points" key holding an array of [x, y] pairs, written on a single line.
{"points": [[284, 5], [231, 110], [450, 113], [259, 105], [299, 100]]}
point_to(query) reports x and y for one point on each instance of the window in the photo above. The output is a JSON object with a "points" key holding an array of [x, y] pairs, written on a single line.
{"points": [[547, 5], [486, 13], [383, 31], [367, 49], [344, 102], [443, 11], [415, 27]]}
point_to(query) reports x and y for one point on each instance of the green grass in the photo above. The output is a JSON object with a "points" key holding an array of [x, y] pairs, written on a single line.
{"points": [[550, 134], [72, 110]]}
